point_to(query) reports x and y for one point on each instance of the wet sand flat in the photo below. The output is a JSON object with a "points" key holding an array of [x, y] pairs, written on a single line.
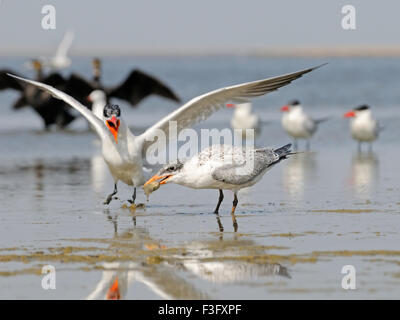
{"points": [[308, 217]]}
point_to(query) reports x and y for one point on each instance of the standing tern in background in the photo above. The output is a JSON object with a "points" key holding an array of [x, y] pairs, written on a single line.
{"points": [[98, 98], [364, 128], [125, 153], [222, 167], [297, 123], [243, 118]]}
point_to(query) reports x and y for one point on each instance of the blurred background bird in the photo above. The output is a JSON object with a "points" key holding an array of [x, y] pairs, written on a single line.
{"points": [[244, 118], [298, 124], [60, 60], [136, 86], [363, 126]]}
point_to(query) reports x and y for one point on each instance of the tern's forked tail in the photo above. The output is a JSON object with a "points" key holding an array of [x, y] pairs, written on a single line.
{"points": [[284, 151]]}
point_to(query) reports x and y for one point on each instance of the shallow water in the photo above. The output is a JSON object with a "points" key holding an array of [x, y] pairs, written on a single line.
{"points": [[308, 217]]}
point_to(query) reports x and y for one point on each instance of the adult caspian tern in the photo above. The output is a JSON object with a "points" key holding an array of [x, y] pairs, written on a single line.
{"points": [[222, 167], [243, 118], [99, 100], [297, 123], [124, 153], [364, 128]]}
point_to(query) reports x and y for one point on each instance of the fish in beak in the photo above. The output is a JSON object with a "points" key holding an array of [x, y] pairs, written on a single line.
{"points": [[113, 125], [285, 108], [163, 179], [349, 114]]}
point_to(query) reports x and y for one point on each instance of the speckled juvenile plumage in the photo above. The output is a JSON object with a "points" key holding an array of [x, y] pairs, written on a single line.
{"points": [[223, 167]]}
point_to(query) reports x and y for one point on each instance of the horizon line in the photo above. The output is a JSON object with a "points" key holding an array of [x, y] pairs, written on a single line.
{"points": [[273, 52]]}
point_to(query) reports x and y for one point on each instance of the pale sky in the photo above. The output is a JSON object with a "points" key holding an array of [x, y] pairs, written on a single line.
{"points": [[128, 26]]}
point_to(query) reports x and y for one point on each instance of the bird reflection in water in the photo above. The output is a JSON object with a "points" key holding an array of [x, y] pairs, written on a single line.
{"points": [[299, 170], [158, 277], [364, 173], [162, 269], [99, 173]]}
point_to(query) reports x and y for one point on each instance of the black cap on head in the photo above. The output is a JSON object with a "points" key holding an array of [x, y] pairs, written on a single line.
{"points": [[111, 109], [362, 107], [294, 102]]}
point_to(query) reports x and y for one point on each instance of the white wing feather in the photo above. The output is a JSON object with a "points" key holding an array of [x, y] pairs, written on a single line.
{"points": [[201, 107]]}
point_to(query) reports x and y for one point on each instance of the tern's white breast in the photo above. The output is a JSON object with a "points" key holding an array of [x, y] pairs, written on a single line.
{"points": [[364, 127], [297, 124]]}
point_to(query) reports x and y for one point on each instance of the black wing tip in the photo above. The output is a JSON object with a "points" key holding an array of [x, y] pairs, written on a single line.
{"points": [[321, 65], [314, 68], [176, 99], [284, 150]]}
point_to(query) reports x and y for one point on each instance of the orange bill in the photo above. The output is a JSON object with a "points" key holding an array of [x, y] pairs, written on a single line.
{"points": [[113, 125], [113, 293], [163, 178], [349, 114], [285, 108]]}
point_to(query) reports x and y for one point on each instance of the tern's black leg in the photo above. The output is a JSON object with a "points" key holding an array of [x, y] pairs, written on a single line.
{"points": [[133, 196], [221, 197], [220, 226], [109, 197], [359, 147], [134, 221], [235, 202]]}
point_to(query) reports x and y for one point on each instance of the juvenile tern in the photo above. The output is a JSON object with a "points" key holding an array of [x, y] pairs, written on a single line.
{"points": [[125, 153], [364, 128], [222, 167], [297, 123]]}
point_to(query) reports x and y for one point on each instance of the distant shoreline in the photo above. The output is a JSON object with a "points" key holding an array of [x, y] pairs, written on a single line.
{"points": [[277, 52]]}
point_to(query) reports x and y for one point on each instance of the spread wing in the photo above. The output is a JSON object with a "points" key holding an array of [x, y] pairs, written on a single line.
{"points": [[9, 83], [20, 102], [201, 107], [138, 85], [54, 79], [90, 117], [79, 88]]}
